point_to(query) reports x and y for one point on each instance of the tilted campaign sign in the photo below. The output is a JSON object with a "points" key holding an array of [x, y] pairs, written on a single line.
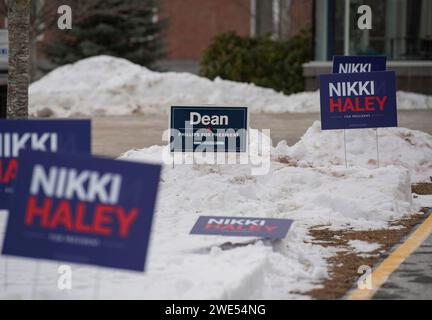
{"points": [[354, 64], [39, 135], [82, 209], [358, 100], [242, 227], [208, 129]]}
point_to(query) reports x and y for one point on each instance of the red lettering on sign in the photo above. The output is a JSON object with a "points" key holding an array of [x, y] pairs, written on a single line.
{"points": [[334, 105], [33, 211], [381, 102], [105, 219], [358, 104], [8, 170]]}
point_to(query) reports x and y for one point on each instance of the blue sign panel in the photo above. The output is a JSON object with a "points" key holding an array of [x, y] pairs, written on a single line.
{"points": [[358, 100], [209, 129], [82, 209], [355, 64], [39, 135], [242, 227]]}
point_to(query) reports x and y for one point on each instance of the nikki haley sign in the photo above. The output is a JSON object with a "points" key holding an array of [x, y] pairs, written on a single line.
{"points": [[358, 100], [242, 227], [354, 64], [82, 209], [39, 135]]}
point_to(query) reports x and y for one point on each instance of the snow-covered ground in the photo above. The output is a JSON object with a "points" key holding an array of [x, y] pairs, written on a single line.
{"points": [[106, 85], [307, 182], [402, 147], [182, 266]]}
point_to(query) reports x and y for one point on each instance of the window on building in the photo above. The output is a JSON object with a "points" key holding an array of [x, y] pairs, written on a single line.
{"points": [[401, 29]]}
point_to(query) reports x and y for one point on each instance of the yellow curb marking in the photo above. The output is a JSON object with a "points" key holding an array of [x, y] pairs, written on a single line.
{"points": [[393, 261]]}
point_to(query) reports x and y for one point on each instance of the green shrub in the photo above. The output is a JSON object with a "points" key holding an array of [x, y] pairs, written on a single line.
{"points": [[259, 60]]}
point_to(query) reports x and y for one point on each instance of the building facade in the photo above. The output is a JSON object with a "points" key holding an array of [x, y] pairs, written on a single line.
{"points": [[401, 30], [193, 23]]}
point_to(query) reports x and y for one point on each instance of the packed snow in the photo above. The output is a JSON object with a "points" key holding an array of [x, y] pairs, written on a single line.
{"points": [[401, 147], [106, 85], [363, 246], [184, 266], [307, 182]]}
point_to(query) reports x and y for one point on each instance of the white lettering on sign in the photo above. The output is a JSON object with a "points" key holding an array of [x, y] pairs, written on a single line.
{"points": [[242, 222], [66, 183], [355, 67], [215, 120], [357, 88], [12, 143]]}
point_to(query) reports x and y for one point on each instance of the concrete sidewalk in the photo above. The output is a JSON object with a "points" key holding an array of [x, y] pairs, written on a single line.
{"points": [[114, 135]]}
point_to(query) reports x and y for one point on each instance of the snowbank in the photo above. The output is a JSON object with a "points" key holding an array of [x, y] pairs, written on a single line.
{"points": [[401, 147], [105, 85], [183, 266]]}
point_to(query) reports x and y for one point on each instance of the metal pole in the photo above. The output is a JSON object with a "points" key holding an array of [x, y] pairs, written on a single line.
{"points": [[347, 28], [377, 147], [345, 149]]}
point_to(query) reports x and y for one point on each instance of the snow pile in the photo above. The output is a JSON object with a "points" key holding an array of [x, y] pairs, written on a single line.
{"points": [[183, 266], [363, 246], [401, 147], [106, 85]]}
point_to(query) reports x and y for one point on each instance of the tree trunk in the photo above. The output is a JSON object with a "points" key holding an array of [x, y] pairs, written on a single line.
{"points": [[19, 58]]}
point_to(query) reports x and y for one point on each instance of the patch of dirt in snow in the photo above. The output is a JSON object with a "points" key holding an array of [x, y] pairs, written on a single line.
{"points": [[424, 188], [343, 266]]}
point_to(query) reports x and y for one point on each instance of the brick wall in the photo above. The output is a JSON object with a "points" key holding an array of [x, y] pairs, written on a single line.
{"points": [[300, 15], [193, 23]]}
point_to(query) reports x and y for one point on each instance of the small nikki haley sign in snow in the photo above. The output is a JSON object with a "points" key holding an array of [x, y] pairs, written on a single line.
{"points": [[354, 64], [358, 100], [242, 227], [82, 209], [39, 135]]}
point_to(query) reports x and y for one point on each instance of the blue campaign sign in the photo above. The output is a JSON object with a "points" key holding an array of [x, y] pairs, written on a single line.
{"points": [[208, 129], [82, 209], [355, 64], [242, 227], [358, 100], [39, 135]]}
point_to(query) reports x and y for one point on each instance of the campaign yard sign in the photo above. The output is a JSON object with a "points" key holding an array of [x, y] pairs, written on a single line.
{"points": [[358, 100], [242, 227], [72, 136], [208, 129], [355, 64], [82, 209]]}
